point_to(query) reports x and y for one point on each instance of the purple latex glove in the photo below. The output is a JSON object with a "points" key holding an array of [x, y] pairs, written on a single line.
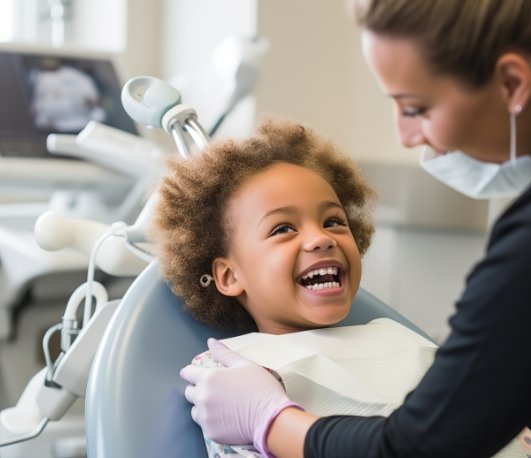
{"points": [[235, 404]]}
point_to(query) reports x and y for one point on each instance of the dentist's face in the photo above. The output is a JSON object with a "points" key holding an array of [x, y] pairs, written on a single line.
{"points": [[437, 110], [291, 249]]}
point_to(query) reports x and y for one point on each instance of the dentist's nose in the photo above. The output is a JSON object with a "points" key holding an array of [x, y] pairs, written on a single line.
{"points": [[319, 241], [410, 132]]}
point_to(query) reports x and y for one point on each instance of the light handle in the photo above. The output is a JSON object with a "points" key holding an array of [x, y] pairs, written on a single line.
{"points": [[146, 99]]}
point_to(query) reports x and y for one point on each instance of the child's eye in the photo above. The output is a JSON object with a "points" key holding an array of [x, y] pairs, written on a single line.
{"points": [[282, 229], [334, 222], [411, 112]]}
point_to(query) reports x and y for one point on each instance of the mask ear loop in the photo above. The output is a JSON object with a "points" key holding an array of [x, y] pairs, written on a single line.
{"points": [[512, 127]]}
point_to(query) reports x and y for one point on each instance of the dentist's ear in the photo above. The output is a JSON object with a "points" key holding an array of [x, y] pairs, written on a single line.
{"points": [[515, 72], [225, 277]]}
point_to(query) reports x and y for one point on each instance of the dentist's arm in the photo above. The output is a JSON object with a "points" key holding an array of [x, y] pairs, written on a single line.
{"points": [[286, 435], [241, 402]]}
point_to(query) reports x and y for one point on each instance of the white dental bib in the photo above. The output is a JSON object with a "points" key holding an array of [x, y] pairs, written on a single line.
{"points": [[352, 370], [356, 370]]}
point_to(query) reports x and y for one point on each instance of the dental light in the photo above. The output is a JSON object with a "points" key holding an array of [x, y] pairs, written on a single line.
{"points": [[154, 103]]}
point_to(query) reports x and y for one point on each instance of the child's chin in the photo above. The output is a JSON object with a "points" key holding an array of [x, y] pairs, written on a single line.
{"points": [[325, 322]]}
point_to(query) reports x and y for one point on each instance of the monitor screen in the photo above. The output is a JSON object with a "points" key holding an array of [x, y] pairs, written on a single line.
{"points": [[44, 91]]}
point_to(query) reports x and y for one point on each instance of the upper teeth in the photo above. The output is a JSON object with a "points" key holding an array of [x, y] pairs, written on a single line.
{"points": [[320, 271]]}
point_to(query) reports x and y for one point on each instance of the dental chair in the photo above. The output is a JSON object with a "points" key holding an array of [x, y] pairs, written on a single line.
{"points": [[135, 405]]}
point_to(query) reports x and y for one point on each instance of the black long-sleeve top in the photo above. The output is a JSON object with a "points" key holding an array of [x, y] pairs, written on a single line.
{"points": [[476, 396]]}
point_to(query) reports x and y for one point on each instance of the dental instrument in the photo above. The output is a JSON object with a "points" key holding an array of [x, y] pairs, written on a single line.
{"points": [[117, 250]]}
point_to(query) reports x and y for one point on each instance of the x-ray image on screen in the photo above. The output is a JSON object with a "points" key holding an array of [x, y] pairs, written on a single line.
{"points": [[64, 99], [45, 92]]}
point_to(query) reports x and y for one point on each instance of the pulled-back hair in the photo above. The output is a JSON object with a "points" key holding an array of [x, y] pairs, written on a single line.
{"points": [[462, 38], [190, 224]]}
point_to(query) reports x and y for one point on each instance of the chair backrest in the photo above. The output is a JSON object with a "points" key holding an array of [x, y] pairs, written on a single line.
{"points": [[134, 388]]}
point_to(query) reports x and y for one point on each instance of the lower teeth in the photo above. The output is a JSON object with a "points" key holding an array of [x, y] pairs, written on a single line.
{"points": [[319, 286]]}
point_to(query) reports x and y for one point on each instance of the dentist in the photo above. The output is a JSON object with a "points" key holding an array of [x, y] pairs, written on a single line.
{"points": [[459, 75]]}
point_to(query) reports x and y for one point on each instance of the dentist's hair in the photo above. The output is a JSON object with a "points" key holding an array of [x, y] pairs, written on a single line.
{"points": [[461, 38], [191, 223]]}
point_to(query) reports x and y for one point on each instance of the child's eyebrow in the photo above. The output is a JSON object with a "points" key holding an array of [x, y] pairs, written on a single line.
{"points": [[278, 211], [290, 210], [331, 204]]}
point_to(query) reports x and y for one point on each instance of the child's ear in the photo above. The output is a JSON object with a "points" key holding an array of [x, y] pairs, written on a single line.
{"points": [[224, 276]]}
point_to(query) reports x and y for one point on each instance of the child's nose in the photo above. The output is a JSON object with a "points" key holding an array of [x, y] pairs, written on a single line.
{"points": [[319, 241]]}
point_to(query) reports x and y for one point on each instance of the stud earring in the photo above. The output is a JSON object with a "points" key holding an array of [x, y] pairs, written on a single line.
{"points": [[205, 280]]}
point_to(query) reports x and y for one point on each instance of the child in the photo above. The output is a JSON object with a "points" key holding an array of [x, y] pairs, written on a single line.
{"points": [[266, 234], [284, 207]]}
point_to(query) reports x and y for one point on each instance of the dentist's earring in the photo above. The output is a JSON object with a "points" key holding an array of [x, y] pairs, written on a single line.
{"points": [[512, 138]]}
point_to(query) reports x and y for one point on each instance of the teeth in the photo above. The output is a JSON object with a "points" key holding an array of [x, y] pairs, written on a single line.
{"points": [[319, 286], [321, 271]]}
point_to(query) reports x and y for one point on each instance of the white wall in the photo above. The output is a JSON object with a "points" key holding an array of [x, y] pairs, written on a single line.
{"points": [[100, 24], [143, 41], [420, 272], [191, 29], [190, 32], [95, 24], [315, 73]]}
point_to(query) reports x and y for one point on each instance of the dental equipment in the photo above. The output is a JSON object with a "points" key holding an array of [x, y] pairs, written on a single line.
{"points": [[135, 163], [154, 103], [237, 60], [130, 156], [118, 249]]}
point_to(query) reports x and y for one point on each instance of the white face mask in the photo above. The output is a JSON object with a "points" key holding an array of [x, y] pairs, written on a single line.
{"points": [[478, 179]]}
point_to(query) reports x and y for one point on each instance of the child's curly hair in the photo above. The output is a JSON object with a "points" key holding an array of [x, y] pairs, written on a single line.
{"points": [[190, 224]]}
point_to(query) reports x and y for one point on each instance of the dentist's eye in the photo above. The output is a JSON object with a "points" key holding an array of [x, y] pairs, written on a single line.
{"points": [[282, 229], [411, 112], [334, 222]]}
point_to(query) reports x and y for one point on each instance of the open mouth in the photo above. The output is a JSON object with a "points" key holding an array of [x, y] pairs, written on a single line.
{"points": [[321, 278]]}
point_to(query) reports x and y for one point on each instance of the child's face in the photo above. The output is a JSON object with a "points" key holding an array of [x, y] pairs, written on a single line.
{"points": [[293, 262]]}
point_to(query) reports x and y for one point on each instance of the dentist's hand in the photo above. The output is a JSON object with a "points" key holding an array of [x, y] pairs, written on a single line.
{"points": [[235, 404]]}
